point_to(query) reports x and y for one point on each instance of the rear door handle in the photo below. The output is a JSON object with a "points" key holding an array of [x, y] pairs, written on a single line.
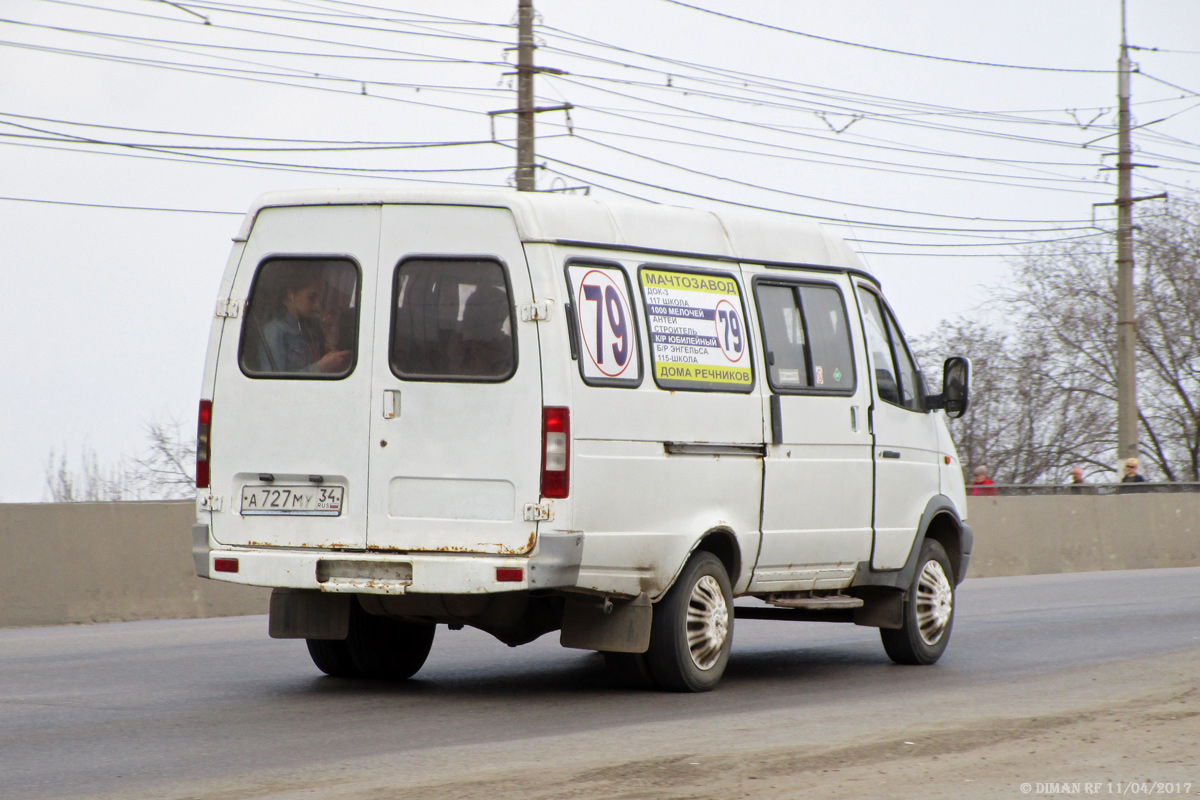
{"points": [[890, 454], [391, 403]]}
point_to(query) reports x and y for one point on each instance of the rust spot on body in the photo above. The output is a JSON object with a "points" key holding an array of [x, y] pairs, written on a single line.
{"points": [[520, 551]]}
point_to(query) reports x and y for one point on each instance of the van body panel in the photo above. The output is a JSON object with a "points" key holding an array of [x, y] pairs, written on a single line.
{"points": [[658, 469], [905, 439], [215, 333], [952, 482], [903, 484], [456, 459], [818, 481], [654, 508], [289, 429]]}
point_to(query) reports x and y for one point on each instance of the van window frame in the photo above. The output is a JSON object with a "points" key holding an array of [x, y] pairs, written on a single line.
{"points": [[393, 306], [889, 316], [251, 296], [682, 386], [578, 350], [794, 284]]}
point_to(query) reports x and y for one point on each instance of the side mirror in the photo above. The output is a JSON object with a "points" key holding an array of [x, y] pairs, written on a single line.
{"points": [[956, 387]]}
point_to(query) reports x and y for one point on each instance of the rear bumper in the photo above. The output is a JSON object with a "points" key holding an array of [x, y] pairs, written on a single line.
{"points": [[554, 564]]}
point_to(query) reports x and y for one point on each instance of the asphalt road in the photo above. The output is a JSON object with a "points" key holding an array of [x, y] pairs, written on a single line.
{"points": [[125, 707]]}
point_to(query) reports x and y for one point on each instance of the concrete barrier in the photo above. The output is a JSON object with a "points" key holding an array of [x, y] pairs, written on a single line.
{"points": [[1064, 533], [102, 562]]}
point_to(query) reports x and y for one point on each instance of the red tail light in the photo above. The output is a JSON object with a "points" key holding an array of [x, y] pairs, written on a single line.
{"points": [[556, 452], [202, 447]]}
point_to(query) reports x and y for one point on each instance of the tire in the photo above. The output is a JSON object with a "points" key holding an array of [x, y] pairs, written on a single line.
{"points": [[693, 628], [928, 611], [387, 649], [332, 656]]}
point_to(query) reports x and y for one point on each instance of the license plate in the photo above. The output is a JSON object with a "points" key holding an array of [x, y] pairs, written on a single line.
{"points": [[305, 501]]}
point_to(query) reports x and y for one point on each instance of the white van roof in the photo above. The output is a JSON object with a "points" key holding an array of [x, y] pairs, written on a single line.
{"points": [[558, 218]]}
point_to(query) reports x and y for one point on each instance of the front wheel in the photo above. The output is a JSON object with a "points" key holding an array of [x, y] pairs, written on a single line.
{"points": [[693, 628], [928, 611]]}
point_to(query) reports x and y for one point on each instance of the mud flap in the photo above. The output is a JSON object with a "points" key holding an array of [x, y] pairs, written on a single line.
{"points": [[882, 609], [307, 614], [621, 626]]}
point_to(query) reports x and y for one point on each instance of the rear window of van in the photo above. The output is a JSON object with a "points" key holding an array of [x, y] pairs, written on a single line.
{"points": [[452, 319], [301, 319]]}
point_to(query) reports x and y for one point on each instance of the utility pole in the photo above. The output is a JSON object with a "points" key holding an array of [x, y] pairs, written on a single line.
{"points": [[526, 180], [1127, 414], [1127, 410]]}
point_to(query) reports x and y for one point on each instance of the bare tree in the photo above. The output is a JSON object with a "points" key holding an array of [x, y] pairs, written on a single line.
{"points": [[88, 483], [165, 470], [1044, 386]]}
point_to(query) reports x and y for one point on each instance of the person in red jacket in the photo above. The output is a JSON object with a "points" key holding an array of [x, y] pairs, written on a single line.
{"points": [[982, 485]]}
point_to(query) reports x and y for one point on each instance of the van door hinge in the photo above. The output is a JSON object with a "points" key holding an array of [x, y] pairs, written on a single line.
{"points": [[227, 308], [539, 512], [212, 502], [535, 312]]}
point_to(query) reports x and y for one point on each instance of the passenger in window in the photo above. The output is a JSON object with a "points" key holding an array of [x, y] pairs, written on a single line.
{"points": [[297, 337], [487, 349]]}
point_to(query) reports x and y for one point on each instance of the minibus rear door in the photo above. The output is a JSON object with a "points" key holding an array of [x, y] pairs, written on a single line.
{"points": [[456, 421]]}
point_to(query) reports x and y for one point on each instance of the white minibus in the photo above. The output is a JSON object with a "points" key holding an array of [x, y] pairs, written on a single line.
{"points": [[530, 413]]}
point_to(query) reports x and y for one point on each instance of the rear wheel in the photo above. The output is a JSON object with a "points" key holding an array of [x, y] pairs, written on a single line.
{"points": [[332, 656], [928, 611], [387, 649], [693, 628]]}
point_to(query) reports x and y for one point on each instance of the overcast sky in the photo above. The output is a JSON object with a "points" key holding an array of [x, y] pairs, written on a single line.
{"points": [[935, 135]]}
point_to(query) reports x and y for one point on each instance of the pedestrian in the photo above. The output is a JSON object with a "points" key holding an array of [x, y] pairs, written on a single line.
{"points": [[982, 485], [1131, 472], [1077, 476]]}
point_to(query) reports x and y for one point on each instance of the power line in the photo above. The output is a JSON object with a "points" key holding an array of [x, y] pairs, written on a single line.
{"points": [[816, 217], [183, 158], [883, 49], [119, 207], [212, 73], [337, 144], [830, 201], [860, 160], [152, 41], [285, 73], [1192, 92]]}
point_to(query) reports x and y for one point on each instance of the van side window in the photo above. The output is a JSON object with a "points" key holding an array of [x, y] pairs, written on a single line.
{"points": [[301, 319], [896, 373], [452, 320], [806, 337]]}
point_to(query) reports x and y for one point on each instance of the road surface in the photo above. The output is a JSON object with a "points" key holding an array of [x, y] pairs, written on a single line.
{"points": [[1050, 681]]}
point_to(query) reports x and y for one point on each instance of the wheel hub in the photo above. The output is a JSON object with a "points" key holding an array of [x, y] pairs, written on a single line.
{"points": [[707, 622], [934, 601]]}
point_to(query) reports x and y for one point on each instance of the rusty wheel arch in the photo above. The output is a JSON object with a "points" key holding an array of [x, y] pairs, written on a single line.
{"points": [[721, 542]]}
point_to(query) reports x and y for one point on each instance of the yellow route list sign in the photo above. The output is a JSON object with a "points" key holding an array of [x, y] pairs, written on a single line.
{"points": [[698, 336]]}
